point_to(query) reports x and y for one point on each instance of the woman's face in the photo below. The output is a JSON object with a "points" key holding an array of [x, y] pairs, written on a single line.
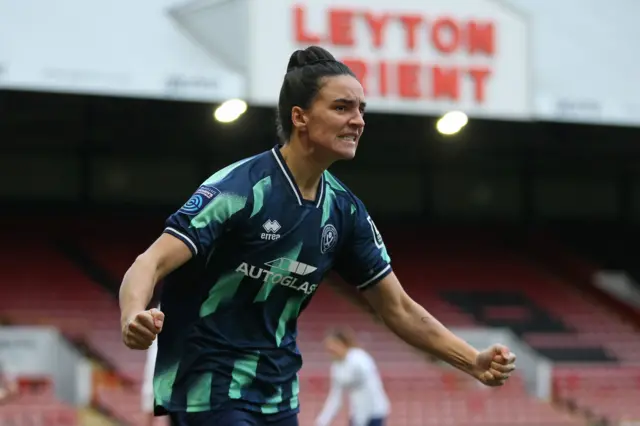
{"points": [[334, 122]]}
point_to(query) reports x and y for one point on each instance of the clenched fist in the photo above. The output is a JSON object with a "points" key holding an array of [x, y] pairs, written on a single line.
{"points": [[141, 330], [495, 365]]}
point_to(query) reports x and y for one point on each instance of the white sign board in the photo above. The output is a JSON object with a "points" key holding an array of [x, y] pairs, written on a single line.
{"points": [[115, 47], [509, 59], [27, 350], [411, 56]]}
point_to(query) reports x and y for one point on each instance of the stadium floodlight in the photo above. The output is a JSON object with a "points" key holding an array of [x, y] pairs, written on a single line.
{"points": [[452, 122], [230, 110]]}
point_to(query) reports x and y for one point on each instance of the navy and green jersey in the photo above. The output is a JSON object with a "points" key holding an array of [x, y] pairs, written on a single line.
{"points": [[259, 252]]}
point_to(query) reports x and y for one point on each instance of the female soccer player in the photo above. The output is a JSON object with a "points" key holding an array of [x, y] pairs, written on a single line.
{"points": [[8, 386], [353, 370], [243, 257]]}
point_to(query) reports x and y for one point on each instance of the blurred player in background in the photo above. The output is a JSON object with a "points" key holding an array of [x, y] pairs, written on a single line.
{"points": [[243, 257], [8, 385], [354, 371]]}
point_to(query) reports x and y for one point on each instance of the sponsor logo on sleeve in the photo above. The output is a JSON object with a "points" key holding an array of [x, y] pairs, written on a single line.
{"points": [[377, 237], [199, 200]]}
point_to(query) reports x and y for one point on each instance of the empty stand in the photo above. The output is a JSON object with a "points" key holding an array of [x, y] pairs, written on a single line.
{"points": [[57, 292], [442, 397], [46, 288], [605, 392], [498, 286], [124, 404], [37, 408]]}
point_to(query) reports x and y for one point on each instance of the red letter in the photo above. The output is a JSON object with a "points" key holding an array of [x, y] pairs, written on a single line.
{"points": [[302, 36], [408, 81], [481, 37], [341, 27], [359, 68], [378, 25], [479, 76], [441, 25], [382, 79], [410, 23], [446, 83]]}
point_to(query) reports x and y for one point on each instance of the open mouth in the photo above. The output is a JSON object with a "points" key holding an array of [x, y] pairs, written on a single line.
{"points": [[348, 138]]}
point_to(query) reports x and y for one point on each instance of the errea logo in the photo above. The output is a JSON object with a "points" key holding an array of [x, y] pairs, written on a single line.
{"points": [[272, 227]]}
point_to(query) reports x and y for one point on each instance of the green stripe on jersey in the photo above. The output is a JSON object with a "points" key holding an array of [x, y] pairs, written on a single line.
{"points": [[222, 290], [333, 182], [260, 189], [295, 390], [290, 311], [244, 372], [222, 173], [271, 406], [163, 383], [199, 394], [219, 210], [385, 256], [329, 197]]}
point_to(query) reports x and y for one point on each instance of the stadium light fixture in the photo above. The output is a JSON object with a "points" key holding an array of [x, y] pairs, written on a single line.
{"points": [[452, 122], [230, 110]]}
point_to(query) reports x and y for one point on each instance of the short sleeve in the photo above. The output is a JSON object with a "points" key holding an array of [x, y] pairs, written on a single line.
{"points": [[363, 259], [212, 210]]}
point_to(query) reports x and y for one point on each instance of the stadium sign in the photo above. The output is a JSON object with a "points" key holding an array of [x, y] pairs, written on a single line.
{"points": [[411, 56], [507, 59]]}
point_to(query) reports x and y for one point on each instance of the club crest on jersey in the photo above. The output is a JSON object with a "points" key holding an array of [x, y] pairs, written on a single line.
{"points": [[199, 200], [329, 238]]}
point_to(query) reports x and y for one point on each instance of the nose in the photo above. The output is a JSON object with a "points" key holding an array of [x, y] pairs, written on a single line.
{"points": [[357, 120]]}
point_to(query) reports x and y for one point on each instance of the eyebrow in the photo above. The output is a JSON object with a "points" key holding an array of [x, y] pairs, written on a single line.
{"points": [[363, 104]]}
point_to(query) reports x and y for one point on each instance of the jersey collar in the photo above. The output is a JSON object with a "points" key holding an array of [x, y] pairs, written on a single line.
{"points": [[289, 177]]}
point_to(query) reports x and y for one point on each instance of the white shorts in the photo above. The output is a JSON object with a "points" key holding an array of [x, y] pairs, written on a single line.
{"points": [[147, 380], [147, 402]]}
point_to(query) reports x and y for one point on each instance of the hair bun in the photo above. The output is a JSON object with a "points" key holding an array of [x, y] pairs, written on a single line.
{"points": [[309, 56]]}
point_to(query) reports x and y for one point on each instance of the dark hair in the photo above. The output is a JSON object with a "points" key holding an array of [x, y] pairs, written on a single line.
{"points": [[302, 82], [344, 335]]}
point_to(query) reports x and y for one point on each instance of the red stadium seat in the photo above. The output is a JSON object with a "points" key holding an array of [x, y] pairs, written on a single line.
{"points": [[56, 292]]}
